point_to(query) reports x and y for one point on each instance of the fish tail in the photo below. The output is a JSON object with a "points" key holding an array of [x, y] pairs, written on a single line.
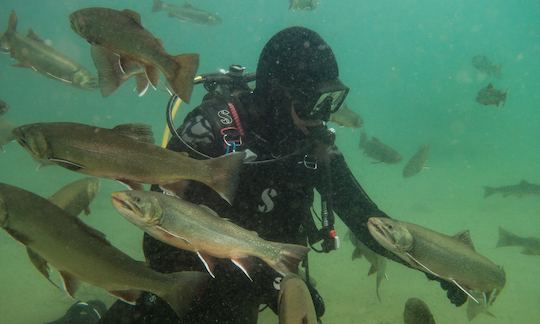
{"points": [[181, 76], [11, 29], [182, 288], [224, 172], [488, 191], [157, 5], [288, 258], [506, 238]]}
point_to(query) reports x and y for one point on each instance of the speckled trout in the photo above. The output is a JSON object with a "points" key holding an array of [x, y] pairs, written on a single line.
{"points": [[80, 252], [125, 153], [191, 227], [32, 52], [452, 258]]}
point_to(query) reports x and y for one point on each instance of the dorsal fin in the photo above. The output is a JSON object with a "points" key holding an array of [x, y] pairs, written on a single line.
{"points": [[133, 15], [32, 35], [465, 237], [139, 132], [208, 209], [187, 5], [490, 86]]}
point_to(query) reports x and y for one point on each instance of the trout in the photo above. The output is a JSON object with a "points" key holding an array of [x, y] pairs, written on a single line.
{"points": [[417, 162], [32, 52], [80, 252], [417, 312], [187, 13], [75, 197], [377, 150], [121, 32], [195, 228], [125, 153], [452, 258]]}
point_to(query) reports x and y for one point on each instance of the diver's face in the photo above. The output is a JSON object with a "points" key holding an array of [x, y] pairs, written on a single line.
{"points": [[304, 124]]}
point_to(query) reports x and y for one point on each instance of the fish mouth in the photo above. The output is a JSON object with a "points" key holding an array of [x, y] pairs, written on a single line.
{"points": [[122, 203], [379, 231]]}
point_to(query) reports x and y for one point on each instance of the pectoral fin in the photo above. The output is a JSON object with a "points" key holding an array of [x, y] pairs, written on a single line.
{"points": [[71, 283], [41, 264], [209, 263], [243, 264], [67, 164], [129, 296]]}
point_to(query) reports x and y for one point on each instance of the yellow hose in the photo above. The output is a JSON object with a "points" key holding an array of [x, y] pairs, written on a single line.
{"points": [[166, 131]]}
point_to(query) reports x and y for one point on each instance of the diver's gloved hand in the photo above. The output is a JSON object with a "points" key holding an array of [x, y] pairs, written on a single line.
{"points": [[453, 293]]}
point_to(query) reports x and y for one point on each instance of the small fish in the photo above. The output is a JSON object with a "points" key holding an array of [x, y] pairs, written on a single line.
{"points": [[483, 64], [521, 189], [121, 32], [417, 312], [187, 13], [379, 151], [76, 196], [491, 96], [530, 245], [303, 4], [32, 52], [378, 262], [347, 118], [4, 107], [417, 162], [295, 305], [6, 129], [452, 258], [125, 153], [81, 253], [195, 228]]}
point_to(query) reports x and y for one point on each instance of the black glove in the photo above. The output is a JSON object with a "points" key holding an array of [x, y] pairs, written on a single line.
{"points": [[453, 293]]}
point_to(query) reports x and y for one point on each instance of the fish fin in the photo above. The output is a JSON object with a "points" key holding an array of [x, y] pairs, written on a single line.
{"points": [[244, 264], [137, 131], [133, 15], [464, 290], [71, 283], [209, 263], [224, 172], [12, 24], [129, 296], [86, 210], [489, 86], [290, 256], [357, 254], [373, 269], [67, 164], [488, 191], [180, 75], [32, 35], [108, 68], [152, 73], [465, 237], [528, 251], [132, 185], [41, 265], [175, 189], [141, 84], [422, 265], [187, 5], [209, 210], [183, 289], [157, 5]]}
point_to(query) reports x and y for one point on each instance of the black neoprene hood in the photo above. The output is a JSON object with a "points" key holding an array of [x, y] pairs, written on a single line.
{"points": [[295, 57]]}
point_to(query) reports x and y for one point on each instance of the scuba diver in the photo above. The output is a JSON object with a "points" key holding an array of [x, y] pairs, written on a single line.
{"points": [[281, 123]]}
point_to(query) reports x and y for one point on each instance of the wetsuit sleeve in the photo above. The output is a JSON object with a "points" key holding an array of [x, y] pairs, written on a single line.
{"points": [[352, 204], [197, 135]]}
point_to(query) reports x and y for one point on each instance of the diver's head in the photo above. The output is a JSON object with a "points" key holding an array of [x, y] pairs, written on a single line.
{"points": [[297, 78]]}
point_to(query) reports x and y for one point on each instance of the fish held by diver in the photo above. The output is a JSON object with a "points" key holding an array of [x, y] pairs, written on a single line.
{"points": [[378, 262], [295, 305], [195, 228], [417, 312], [187, 13], [81, 253], [378, 151], [121, 32], [347, 118], [417, 162], [523, 188], [530, 245], [452, 258], [126, 153], [32, 52], [491, 96]]}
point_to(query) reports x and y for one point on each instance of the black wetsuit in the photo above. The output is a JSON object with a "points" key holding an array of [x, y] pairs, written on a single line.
{"points": [[274, 199]]}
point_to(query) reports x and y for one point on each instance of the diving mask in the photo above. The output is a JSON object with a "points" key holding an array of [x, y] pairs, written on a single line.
{"points": [[319, 102]]}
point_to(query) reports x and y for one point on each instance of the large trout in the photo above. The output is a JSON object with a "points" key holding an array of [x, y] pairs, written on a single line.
{"points": [[197, 228], [80, 252], [452, 258], [125, 153]]}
